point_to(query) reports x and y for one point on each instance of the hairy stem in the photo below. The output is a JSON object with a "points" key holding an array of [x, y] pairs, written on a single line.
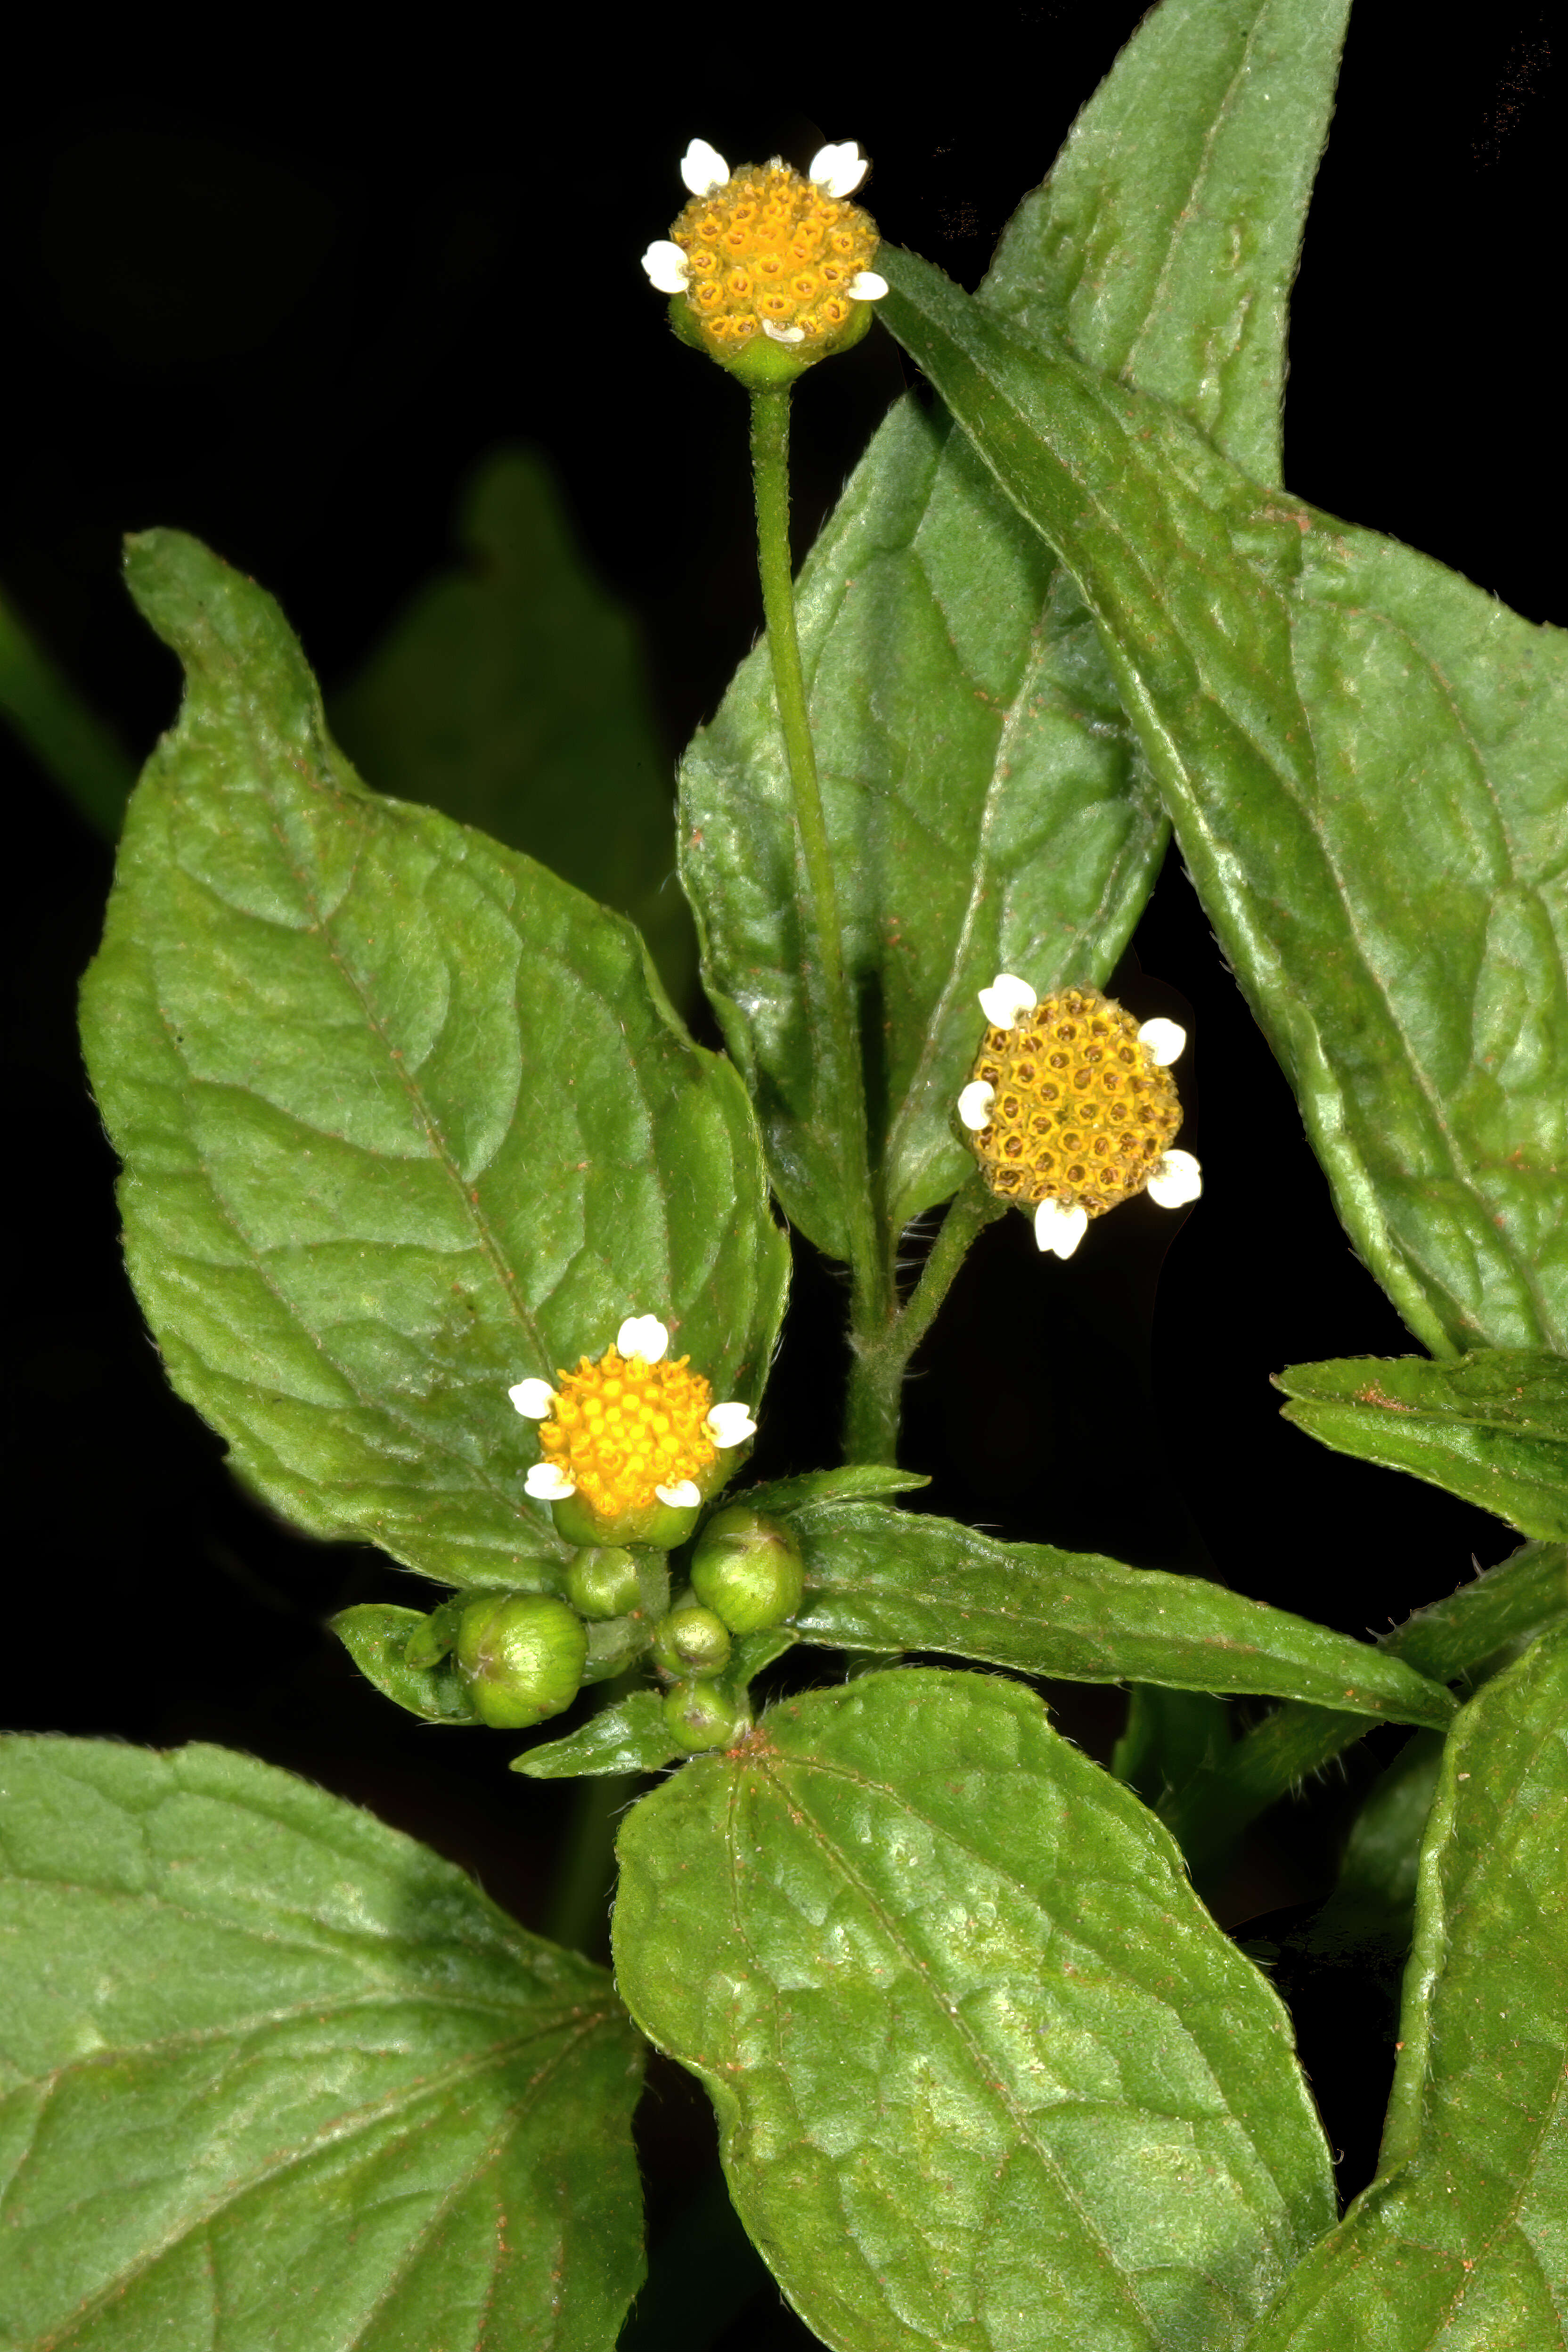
{"points": [[871, 1295], [876, 1382]]}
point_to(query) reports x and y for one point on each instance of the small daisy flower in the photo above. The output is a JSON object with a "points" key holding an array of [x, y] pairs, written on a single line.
{"points": [[628, 1433], [1069, 1111], [765, 256]]}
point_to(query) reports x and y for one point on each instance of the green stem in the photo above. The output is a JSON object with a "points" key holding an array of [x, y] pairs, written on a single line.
{"points": [[1444, 1642], [872, 1293], [579, 1909], [877, 1379], [69, 743]]}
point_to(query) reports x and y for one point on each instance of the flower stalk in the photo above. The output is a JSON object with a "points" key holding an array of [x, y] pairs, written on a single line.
{"points": [[871, 1290]]}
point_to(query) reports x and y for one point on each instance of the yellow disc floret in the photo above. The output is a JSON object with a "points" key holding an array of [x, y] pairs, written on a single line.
{"points": [[1081, 1113], [622, 1427], [771, 247]]}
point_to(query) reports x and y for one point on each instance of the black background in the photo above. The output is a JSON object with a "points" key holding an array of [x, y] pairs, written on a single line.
{"points": [[287, 301]]}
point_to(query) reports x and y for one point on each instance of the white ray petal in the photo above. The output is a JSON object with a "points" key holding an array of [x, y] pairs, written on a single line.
{"points": [[1058, 1228], [683, 1495], [866, 286], [1176, 1179], [703, 169], [729, 1424], [974, 1103], [1004, 999], [667, 266], [783, 334], [644, 1336], [1166, 1040], [533, 1398], [548, 1483], [838, 170]]}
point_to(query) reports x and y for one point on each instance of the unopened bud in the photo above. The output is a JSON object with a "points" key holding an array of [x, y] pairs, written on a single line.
{"points": [[601, 1581], [524, 1654], [691, 1641], [705, 1715], [748, 1571]]}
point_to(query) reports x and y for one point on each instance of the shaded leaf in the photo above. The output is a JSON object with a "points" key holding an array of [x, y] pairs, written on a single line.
{"points": [[405, 1118], [1463, 2237], [1462, 1635], [987, 801], [274, 2075], [986, 2072], [629, 1737], [881, 1579], [1492, 1427], [377, 1635], [510, 694], [1366, 762]]}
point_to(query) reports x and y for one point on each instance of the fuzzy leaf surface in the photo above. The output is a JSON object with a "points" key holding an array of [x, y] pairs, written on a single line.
{"points": [[375, 1634], [405, 1118], [1462, 2240], [629, 1737], [880, 1580], [274, 2078], [1492, 1427], [510, 694], [988, 804], [1366, 763], [987, 2072]]}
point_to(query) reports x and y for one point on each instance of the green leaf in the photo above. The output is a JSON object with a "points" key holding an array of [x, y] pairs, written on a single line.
{"points": [[1492, 1427], [880, 1580], [987, 801], [510, 694], [629, 1737], [1462, 1635], [987, 2072], [405, 1118], [1463, 2238], [273, 2075], [852, 1480], [1366, 762], [375, 1635]]}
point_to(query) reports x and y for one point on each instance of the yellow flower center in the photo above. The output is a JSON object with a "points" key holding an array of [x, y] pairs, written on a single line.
{"points": [[1082, 1113], [622, 1427], [772, 246]]}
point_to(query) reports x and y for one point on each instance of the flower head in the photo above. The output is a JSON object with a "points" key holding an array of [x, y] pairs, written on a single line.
{"points": [[1070, 1109], [631, 1434], [765, 257]]}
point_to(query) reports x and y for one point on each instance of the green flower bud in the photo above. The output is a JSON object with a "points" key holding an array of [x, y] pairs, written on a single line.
{"points": [[747, 1569], [705, 1715], [524, 1654], [601, 1581], [691, 1641]]}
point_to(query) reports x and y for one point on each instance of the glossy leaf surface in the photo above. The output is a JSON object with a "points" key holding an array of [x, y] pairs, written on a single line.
{"points": [[987, 2072], [1492, 1427], [1366, 762], [1463, 2238], [878, 1579], [987, 801], [510, 694], [405, 1118], [273, 2078]]}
